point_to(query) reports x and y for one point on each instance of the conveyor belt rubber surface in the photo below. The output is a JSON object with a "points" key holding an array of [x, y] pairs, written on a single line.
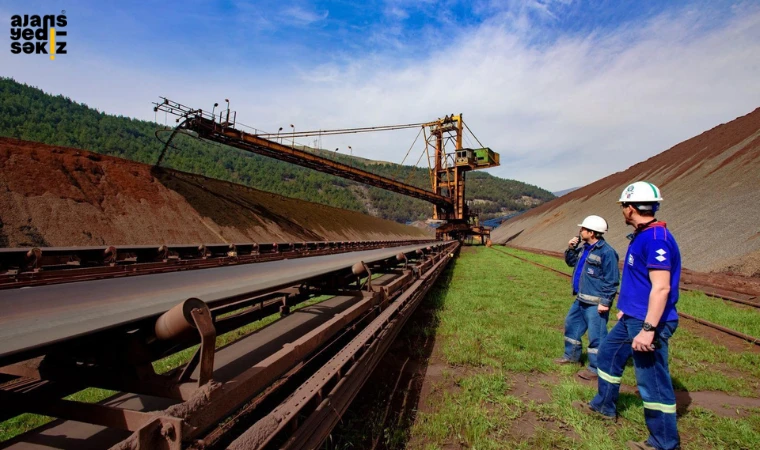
{"points": [[35, 316]]}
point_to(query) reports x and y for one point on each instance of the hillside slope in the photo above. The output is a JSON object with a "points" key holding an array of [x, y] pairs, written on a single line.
{"points": [[55, 196], [710, 184], [30, 114]]}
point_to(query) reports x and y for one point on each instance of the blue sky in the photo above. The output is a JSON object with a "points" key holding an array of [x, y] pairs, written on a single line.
{"points": [[568, 91], [272, 35]]}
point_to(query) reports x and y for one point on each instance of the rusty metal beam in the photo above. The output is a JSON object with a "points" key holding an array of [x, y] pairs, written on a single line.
{"points": [[161, 433], [229, 396], [355, 363], [210, 130], [209, 401], [323, 398], [23, 267], [123, 419]]}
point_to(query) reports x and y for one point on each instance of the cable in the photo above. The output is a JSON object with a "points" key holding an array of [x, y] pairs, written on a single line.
{"points": [[414, 170], [473, 134], [407, 153], [343, 131], [467, 140], [175, 108]]}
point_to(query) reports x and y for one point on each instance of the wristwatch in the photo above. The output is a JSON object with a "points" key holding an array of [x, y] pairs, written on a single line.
{"points": [[647, 327]]}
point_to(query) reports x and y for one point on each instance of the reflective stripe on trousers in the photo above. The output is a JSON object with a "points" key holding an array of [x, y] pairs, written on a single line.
{"points": [[652, 377], [609, 378], [667, 409], [581, 317]]}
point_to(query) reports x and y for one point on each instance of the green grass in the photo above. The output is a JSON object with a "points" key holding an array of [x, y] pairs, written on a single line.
{"points": [[475, 330], [554, 263], [744, 319], [500, 317], [25, 422], [495, 319], [479, 413], [693, 355]]}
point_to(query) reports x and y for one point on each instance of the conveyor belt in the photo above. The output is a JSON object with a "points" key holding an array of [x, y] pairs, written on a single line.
{"points": [[36, 316], [229, 362]]}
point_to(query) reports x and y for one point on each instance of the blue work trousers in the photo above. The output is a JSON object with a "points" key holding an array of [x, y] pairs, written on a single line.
{"points": [[652, 378], [581, 317]]}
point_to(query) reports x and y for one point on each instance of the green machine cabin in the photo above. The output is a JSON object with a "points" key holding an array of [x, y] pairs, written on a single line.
{"points": [[479, 158], [485, 157]]}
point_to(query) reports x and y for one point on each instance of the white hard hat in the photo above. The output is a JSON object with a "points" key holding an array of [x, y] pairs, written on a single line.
{"points": [[594, 223], [640, 192]]}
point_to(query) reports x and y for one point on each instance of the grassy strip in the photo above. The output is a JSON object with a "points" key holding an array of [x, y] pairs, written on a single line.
{"points": [[697, 353], [25, 422], [524, 296], [742, 318], [550, 261], [745, 319], [502, 319]]}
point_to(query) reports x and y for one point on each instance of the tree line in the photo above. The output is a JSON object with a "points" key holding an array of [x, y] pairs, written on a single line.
{"points": [[30, 114]]}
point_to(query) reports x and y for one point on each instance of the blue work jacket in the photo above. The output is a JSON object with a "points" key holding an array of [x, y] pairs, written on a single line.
{"points": [[600, 277]]}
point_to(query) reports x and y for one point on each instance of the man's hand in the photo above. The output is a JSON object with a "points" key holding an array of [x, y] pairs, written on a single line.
{"points": [[573, 242], [620, 315], [601, 309], [643, 341]]}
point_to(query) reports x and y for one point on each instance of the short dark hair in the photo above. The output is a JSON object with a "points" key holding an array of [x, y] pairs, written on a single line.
{"points": [[644, 209]]}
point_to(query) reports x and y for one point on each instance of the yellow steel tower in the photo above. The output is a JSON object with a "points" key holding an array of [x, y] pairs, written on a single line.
{"points": [[448, 169]]}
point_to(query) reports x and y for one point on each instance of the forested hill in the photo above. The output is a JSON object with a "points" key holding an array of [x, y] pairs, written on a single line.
{"points": [[30, 114]]}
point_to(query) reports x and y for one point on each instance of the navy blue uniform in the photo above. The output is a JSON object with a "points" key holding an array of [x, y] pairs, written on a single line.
{"points": [[595, 281], [652, 247]]}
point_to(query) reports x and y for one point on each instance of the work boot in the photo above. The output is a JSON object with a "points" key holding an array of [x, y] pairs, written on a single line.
{"points": [[586, 374], [639, 446], [564, 360], [587, 409]]}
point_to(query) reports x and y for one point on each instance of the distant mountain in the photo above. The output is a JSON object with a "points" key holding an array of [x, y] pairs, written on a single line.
{"points": [[709, 183], [565, 191], [30, 114]]}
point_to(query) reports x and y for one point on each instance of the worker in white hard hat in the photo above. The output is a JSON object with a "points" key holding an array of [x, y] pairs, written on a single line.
{"points": [[595, 281], [647, 318]]}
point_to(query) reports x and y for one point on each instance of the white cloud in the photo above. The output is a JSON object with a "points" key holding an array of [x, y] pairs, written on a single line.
{"points": [[304, 16], [561, 114], [396, 12]]}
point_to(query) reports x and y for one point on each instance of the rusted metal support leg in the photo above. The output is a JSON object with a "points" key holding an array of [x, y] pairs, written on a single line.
{"points": [[360, 269], [202, 319], [190, 366], [178, 322], [33, 260], [284, 308], [110, 256], [402, 257]]}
